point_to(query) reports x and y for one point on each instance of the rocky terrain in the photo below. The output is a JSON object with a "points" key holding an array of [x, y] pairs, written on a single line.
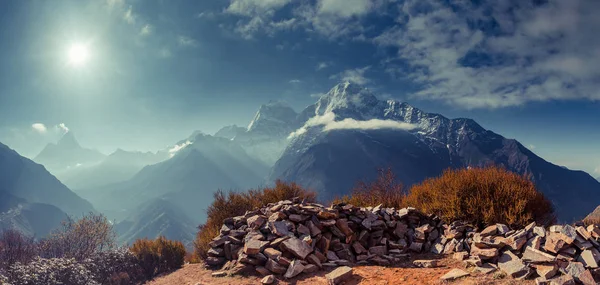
{"points": [[292, 238]]}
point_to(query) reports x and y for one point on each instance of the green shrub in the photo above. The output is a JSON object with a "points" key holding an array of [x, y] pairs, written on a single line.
{"points": [[236, 204], [483, 196]]}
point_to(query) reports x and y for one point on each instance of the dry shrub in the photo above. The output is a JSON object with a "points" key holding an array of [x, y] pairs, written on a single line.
{"points": [[482, 196], [16, 247], [385, 189], [236, 204], [158, 256], [591, 221], [79, 239]]}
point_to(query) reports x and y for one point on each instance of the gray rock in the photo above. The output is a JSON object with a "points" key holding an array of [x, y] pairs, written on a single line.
{"points": [[338, 275], [297, 247], [294, 269], [536, 256], [513, 266]]}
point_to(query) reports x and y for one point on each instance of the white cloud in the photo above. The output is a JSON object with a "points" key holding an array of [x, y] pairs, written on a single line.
{"points": [[62, 128], [295, 81], [356, 75], [146, 30], [39, 127], [322, 65], [597, 170], [185, 41], [539, 52], [317, 95], [255, 7], [345, 8], [531, 147], [179, 147], [328, 122], [128, 15]]}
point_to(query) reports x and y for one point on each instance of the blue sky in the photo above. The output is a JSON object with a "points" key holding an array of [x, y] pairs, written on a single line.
{"points": [[156, 70]]}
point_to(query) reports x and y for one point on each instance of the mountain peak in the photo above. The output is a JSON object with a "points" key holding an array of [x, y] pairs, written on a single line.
{"points": [[347, 99], [68, 140], [273, 113]]}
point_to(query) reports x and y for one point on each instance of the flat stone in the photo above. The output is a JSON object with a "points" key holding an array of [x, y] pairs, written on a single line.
{"points": [[332, 256], [279, 228], [583, 232], [254, 246], [358, 248], [460, 256], [416, 246], [272, 253], [338, 275], [513, 266], [546, 271], [314, 230], [484, 253], [297, 247], [275, 267], [297, 218], [310, 268], [554, 242], [535, 242], [263, 271], [485, 268], [313, 259], [432, 263], [303, 230], [536, 256], [569, 232], [378, 250], [342, 225], [219, 274], [539, 231], [590, 258], [454, 274], [256, 221], [269, 279], [294, 269], [489, 231], [562, 280], [579, 273]]}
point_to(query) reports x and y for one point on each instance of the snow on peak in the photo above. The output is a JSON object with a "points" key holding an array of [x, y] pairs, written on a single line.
{"points": [[275, 114]]}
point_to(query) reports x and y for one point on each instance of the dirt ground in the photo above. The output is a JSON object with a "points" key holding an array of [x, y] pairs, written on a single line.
{"points": [[405, 273]]}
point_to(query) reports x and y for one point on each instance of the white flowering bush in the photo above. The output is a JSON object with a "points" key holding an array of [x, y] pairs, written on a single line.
{"points": [[53, 271], [114, 267]]}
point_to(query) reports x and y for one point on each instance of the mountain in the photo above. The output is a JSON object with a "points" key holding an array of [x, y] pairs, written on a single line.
{"points": [[116, 167], [67, 154], [266, 135], [25, 179], [155, 218], [349, 133], [230, 132], [32, 219], [200, 165]]}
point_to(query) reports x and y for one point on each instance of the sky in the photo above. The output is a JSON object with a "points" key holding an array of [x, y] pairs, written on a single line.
{"points": [[141, 75]]}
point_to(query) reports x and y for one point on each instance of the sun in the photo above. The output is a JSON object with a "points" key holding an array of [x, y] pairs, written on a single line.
{"points": [[78, 54]]}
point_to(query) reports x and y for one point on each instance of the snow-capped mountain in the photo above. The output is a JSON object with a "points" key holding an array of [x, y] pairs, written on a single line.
{"points": [[67, 154], [349, 133], [266, 135]]}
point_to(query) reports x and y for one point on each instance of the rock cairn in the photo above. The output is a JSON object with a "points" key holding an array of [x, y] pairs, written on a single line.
{"points": [[292, 237]]}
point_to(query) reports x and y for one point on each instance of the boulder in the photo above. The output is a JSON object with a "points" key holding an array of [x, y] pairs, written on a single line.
{"points": [[513, 266], [294, 269], [536, 256], [454, 274], [275, 267]]}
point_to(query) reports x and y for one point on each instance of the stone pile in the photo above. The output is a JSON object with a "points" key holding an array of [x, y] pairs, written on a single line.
{"points": [[292, 237]]}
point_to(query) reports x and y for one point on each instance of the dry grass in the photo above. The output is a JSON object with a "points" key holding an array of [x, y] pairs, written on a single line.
{"points": [[236, 204], [483, 196], [591, 221], [385, 189], [158, 256]]}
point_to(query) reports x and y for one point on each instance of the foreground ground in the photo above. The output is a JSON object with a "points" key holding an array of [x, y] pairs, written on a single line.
{"points": [[405, 273]]}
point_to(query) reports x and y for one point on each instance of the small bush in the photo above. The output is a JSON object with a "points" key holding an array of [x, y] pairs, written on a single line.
{"points": [[54, 271], [384, 190], [482, 196], [16, 247], [236, 204], [114, 267], [79, 239], [158, 256]]}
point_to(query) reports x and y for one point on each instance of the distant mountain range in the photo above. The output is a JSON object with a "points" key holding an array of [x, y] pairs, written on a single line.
{"points": [[31, 199], [330, 145]]}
